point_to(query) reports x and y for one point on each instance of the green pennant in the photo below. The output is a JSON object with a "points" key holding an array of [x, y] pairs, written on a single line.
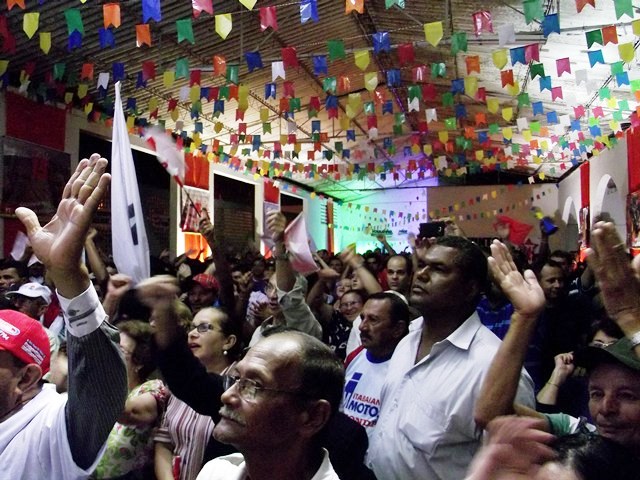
{"points": [[232, 74], [182, 68], [338, 147], [397, 129], [294, 104], [494, 128], [450, 123], [459, 42], [224, 92], [369, 108], [537, 69], [604, 93], [622, 7], [438, 70], [398, 118], [414, 91], [617, 115], [523, 100], [336, 49], [58, 70], [623, 105], [185, 31], [594, 36], [515, 148], [447, 99], [74, 21], [535, 127], [329, 84], [533, 11], [390, 3], [617, 67]]}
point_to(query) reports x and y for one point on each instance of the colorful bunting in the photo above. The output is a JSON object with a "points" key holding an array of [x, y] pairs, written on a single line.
{"points": [[433, 33], [111, 15], [184, 30], [563, 65], [268, 18], [200, 6], [224, 24], [482, 22], [143, 35], [309, 11], [248, 4], [151, 11], [30, 23]]}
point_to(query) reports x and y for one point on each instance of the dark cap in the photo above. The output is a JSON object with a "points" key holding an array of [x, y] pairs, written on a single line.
{"points": [[621, 351]]}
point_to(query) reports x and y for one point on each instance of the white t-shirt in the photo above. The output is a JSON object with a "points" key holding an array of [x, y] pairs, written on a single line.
{"points": [[364, 378], [232, 467], [33, 441]]}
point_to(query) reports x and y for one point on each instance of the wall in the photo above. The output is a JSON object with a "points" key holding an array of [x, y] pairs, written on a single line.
{"points": [[609, 165], [474, 208]]}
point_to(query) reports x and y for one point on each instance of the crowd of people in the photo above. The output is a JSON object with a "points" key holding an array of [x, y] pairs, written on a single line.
{"points": [[447, 362]]}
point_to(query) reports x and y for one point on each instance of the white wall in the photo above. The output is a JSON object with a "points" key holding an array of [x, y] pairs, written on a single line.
{"points": [[609, 165]]}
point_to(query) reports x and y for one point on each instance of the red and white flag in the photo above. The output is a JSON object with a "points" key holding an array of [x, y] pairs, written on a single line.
{"points": [[168, 154], [296, 239]]}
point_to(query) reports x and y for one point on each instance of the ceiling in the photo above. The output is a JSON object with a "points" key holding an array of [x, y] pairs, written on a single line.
{"points": [[510, 135]]}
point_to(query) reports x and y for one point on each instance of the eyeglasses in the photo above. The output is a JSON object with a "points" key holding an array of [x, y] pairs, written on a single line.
{"points": [[248, 389], [203, 327]]}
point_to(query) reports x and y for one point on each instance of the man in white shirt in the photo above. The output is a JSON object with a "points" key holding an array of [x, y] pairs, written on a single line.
{"points": [[385, 321], [279, 398], [426, 428], [44, 434]]}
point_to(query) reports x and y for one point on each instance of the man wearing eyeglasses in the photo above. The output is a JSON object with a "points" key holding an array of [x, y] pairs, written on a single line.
{"points": [[279, 399], [284, 384]]}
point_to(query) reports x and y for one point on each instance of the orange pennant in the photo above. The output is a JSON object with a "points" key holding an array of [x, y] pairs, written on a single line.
{"points": [[13, 3], [111, 14], [219, 65], [354, 6], [143, 34]]}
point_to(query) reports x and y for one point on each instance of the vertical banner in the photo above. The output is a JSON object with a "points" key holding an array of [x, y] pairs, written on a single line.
{"points": [[128, 235]]}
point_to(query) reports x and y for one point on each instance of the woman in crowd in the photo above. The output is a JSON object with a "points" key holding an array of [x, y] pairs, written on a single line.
{"points": [[184, 434], [129, 453]]}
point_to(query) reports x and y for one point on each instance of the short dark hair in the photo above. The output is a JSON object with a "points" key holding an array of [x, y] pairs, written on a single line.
{"points": [[21, 267], [594, 457], [144, 353], [548, 263], [399, 310], [607, 325], [407, 261], [469, 259], [364, 296], [568, 256]]}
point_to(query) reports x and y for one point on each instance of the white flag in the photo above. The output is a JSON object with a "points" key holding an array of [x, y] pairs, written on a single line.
{"points": [[296, 239], [128, 235]]}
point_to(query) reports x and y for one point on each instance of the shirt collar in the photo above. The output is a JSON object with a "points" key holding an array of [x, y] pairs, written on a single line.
{"points": [[463, 335]]}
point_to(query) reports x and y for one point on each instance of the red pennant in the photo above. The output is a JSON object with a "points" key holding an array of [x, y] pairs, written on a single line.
{"points": [[609, 35], [87, 71], [289, 57], [268, 18], [429, 92], [200, 6], [507, 77], [406, 54], [289, 89], [314, 103], [148, 70], [194, 78], [219, 65], [580, 4]]}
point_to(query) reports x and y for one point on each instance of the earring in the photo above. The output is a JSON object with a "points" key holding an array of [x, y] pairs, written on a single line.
{"points": [[225, 352]]}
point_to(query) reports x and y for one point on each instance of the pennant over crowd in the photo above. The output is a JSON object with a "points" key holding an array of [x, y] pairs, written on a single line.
{"points": [[273, 89]]}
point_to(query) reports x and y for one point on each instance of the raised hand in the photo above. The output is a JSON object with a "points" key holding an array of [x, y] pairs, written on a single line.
{"points": [[276, 222], [59, 243], [616, 278], [523, 291]]}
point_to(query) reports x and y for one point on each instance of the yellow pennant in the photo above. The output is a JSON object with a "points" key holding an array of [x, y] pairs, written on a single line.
{"points": [[345, 122], [507, 132], [168, 77], [264, 115], [499, 58], [361, 59], [626, 52], [68, 97], [526, 134], [427, 149], [443, 136], [635, 27], [243, 97], [194, 93], [153, 104], [131, 122], [355, 100], [30, 23], [479, 154], [88, 108], [471, 85], [3, 66], [371, 81], [197, 141], [514, 89], [45, 42], [224, 24], [217, 127], [83, 88], [433, 32], [248, 4], [175, 114], [350, 111], [493, 104]]}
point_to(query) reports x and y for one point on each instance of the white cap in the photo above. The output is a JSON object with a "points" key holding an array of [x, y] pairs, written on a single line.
{"points": [[33, 290]]}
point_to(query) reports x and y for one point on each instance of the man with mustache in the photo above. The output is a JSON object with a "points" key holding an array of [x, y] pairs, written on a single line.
{"points": [[385, 321], [426, 429]]}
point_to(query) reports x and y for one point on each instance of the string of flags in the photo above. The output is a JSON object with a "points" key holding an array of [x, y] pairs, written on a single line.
{"points": [[455, 152]]}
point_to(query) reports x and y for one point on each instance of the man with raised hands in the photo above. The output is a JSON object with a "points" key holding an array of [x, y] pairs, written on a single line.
{"points": [[44, 434]]}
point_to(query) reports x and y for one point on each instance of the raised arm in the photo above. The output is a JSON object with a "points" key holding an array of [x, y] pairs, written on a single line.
{"points": [[501, 382], [356, 262], [97, 375], [223, 271], [619, 286], [285, 274], [186, 377]]}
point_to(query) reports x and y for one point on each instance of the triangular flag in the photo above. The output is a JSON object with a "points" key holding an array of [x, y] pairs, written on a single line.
{"points": [[499, 58], [248, 4], [45, 42], [30, 23], [433, 32], [626, 51], [224, 24], [361, 59]]}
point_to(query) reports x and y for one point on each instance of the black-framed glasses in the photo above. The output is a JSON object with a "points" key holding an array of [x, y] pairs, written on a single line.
{"points": [[249, 389], [203, 327]]}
